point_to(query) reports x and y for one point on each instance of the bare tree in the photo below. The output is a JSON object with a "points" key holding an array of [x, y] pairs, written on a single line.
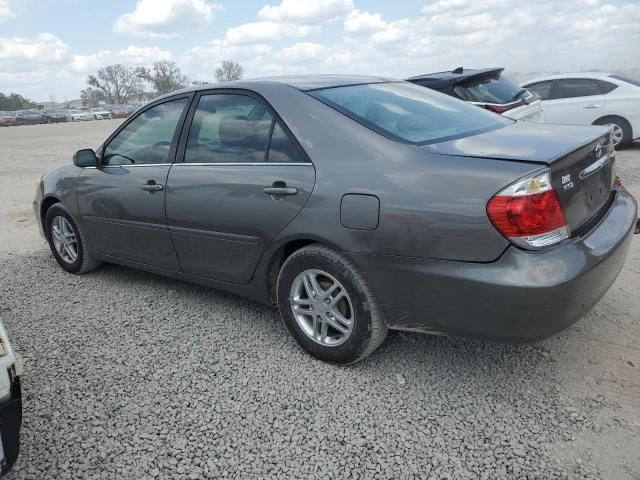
{"points": [[229, 71], [166, 77], [118, 82], [91, 96]]}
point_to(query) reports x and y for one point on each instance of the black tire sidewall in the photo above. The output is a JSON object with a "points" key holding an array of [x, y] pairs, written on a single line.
{"points": [[624, 126], [352, 349], [58, 211]]}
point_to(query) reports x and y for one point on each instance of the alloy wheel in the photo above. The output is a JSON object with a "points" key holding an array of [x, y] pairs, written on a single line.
{"points": [[618, 133], [64, 239], [322, 307]]}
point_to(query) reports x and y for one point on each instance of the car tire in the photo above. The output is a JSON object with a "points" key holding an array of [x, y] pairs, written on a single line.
{"points": [[621, 127], [58, 216], [333, 273]]}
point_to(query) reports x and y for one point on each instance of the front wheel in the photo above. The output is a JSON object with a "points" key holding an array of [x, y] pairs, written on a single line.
{"points": [[67, 242], [328, 307]]}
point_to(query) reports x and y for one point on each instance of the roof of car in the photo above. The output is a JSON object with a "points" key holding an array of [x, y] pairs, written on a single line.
{"points": [[443, 79], [299, 82], [557, 76]]}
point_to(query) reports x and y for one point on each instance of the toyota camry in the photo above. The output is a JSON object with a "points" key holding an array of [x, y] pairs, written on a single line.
{"points": [[354, 205]]}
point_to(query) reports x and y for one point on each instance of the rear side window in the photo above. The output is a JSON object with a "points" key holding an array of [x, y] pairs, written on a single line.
{"points": [[542, 89], [576, 87], [606, 87], [409, 113], [495, 90], [282, 148], [236, 128], [228, 128]]}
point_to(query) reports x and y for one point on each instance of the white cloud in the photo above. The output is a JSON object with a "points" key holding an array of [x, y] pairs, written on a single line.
{"points": [[306, 11], [359, 22], [462, 7], [132, 55], [165, 18], [257, 32], [44, 48], [5, 10]]}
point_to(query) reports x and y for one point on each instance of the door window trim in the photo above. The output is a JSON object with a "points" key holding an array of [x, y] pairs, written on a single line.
{"points": [[186, 127], [174, 141]]}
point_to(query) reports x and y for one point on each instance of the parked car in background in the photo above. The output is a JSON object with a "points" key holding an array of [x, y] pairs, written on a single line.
{"points": [[119, 111], [28, 117], [7, 119], [487, 88], [591, 99], [10, 403], [78, 116], [354, 204], [54, 116], [100, 113]]}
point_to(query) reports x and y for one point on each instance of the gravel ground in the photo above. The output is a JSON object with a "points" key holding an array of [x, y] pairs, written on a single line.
{"points": [[131, 375]]}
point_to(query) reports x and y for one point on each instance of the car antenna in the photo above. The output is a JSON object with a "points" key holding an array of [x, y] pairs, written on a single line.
{"points": [[458, 70]]}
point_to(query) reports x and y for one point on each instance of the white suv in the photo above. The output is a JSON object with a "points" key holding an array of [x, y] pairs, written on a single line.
{"points": [[591, 99]]}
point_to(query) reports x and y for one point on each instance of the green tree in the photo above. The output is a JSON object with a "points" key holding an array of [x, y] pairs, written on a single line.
{"points": [[13, 101], [118, 82]]}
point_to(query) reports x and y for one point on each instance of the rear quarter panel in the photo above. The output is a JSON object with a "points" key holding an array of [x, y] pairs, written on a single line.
{"points": [[431, 205]]}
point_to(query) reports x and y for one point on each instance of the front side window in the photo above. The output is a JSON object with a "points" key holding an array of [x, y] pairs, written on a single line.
{"points": [[229, 128], [147, 138], [410, 113], [576, 87], [542, 89]]}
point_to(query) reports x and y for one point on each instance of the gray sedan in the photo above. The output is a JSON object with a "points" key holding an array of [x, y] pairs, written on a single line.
{"points": [[355, 205]]}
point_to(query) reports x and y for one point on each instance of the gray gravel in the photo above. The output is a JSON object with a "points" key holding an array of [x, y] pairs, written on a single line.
{"points": [[130, 375]]}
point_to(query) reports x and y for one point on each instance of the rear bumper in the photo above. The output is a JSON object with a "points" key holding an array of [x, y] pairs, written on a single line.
{"points": [[10, 423], [523, 296]]}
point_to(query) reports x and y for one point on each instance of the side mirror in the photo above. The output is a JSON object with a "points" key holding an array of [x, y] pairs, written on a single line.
{"points": [[85, 158]]}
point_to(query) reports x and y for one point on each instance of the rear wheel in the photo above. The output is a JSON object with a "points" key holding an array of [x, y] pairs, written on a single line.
{"points": [[67, 242], [327, 306], [621, 129]]}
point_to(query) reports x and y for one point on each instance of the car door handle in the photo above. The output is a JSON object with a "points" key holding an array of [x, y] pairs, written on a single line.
{"points": [[280, 190], [592, 106], [152, 187]]}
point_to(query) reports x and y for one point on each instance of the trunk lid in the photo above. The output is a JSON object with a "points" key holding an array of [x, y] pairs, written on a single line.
{"points": [[581, 161]]}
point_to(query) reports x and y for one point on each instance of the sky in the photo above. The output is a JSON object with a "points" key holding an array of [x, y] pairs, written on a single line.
{"points": [[49, 47]]}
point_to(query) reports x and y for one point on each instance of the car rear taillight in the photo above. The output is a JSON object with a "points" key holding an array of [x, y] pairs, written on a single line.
{"points": [[499, 108], [528, 213]]}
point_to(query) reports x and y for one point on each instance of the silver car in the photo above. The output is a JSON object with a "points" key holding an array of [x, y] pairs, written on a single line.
{"points": [[355, 205]]}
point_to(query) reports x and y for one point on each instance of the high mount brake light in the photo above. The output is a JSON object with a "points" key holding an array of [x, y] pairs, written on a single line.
{"points": [[528, 213]]}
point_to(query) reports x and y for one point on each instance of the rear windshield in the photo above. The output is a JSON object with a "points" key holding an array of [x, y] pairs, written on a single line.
{"points": [[490, 90], [410, 113], [624, 78]]}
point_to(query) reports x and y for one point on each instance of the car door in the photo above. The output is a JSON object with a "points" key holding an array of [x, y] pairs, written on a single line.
{"points": [[543, 90], [575, 101], [243, 178], [121, 203]]}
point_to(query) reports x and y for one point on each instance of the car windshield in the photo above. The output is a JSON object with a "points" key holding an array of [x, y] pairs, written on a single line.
{"points": [[624, 78], [495, 90], [410, 113]]}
